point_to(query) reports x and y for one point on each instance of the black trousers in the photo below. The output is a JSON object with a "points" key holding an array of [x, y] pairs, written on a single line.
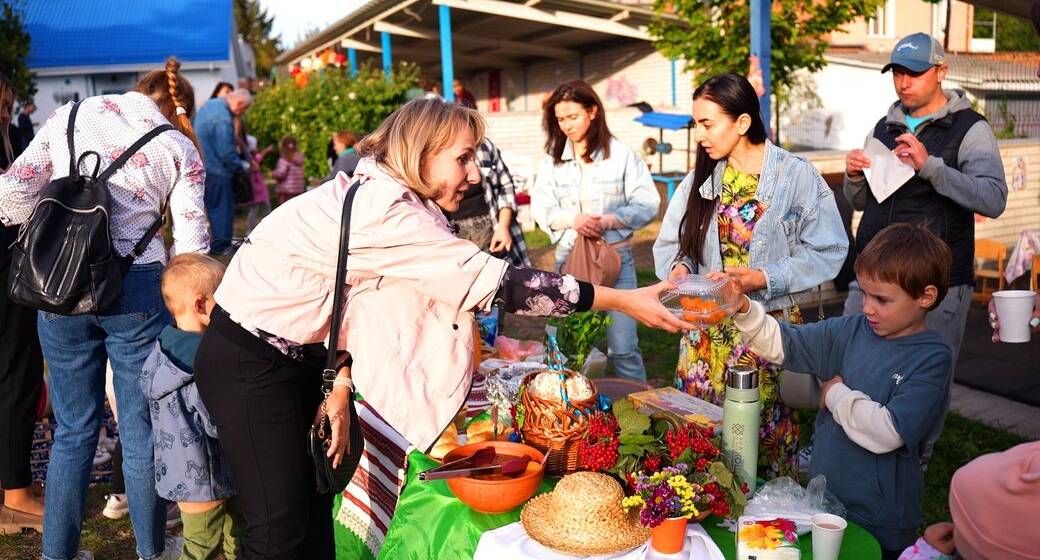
{"points": [[21, 378], [263, 403]]}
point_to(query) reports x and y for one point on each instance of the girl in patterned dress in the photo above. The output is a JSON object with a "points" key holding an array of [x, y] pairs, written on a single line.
{"points": [[762, 217]]}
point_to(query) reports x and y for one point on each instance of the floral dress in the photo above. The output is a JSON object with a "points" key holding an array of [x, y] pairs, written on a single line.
{"points": [[705, 355]]}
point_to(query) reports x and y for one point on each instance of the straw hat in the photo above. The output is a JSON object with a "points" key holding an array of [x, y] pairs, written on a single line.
{"points": [[583, 516]]}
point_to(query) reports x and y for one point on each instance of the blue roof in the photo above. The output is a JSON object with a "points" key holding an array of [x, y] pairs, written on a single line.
{"points": [[671, 121], [109, 32]]}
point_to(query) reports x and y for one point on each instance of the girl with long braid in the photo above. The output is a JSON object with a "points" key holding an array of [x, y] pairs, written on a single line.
{"points": [[166, 174]]}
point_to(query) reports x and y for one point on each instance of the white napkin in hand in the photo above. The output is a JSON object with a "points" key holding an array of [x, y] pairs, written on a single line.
{"points": [[886, 173]]}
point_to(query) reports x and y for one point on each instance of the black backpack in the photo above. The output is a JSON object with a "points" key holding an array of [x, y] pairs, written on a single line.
{"points": [[64, 261]]}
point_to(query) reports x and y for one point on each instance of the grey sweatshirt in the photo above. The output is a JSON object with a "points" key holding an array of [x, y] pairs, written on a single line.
{"points": [[979, 185]]}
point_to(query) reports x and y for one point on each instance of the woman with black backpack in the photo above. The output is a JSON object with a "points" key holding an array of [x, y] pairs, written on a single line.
{"points": [[87, 319]]}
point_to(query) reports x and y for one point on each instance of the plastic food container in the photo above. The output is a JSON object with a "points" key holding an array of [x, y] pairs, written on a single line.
{"points": [[701, 301]]}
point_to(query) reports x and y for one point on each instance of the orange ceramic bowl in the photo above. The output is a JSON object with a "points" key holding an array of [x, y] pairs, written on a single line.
{"points": [[497, 496]]}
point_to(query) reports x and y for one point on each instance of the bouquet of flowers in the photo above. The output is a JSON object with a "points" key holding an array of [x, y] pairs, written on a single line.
{"points": [[665, 494], [628, 444], [725, 495]]}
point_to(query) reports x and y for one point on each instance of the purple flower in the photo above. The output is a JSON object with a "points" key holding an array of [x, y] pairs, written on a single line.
{"points": [[651, 517]]}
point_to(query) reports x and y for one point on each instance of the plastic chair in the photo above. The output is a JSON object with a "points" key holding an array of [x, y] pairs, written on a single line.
{"points": [[989, 250]]}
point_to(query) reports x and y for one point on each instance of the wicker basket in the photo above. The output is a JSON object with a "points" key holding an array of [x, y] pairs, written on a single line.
{"points": [[556, 428]]}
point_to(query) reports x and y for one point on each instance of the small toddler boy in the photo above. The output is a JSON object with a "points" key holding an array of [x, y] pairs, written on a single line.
{"points": [[189, 468]]}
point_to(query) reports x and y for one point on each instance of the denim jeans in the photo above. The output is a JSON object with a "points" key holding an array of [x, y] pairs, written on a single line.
{"points": [[76, 349], [622, 341], [220, 207]]}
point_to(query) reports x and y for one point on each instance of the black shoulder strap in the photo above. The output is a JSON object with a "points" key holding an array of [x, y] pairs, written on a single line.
{"points": [[329, 375], [142, 244], [132, 150], [69, 134]]}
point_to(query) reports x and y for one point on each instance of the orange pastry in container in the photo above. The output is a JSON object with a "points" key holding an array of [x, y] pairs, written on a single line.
{"points": [[701, 301]]}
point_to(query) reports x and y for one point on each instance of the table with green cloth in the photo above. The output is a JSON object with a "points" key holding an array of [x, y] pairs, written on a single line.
{"points": [[430, 523]]}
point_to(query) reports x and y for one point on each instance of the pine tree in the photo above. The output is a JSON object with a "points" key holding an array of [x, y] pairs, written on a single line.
{"points": [[14, 50], [254, 24]]}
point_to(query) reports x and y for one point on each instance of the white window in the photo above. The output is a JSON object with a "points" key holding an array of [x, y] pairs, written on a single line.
{"points": [[883, 24]]}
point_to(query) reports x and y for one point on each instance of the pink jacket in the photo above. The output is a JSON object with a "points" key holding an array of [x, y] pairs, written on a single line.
{"points": [[288, 175], [413, 288]]}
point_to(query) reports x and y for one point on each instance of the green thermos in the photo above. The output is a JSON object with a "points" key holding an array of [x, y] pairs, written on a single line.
{"points": [[741, 415]]}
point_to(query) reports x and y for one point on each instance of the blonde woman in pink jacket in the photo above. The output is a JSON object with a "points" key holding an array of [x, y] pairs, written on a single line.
{"points": [[412, 287]]}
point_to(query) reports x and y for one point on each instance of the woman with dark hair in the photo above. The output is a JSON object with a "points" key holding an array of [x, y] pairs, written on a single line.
{"points": [[21, 365], [221, 90], [763, 217], [592, 185]]}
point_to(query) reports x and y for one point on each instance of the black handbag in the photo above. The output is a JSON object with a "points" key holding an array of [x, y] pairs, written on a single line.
{"points": [[242, 186], [319, 437]]}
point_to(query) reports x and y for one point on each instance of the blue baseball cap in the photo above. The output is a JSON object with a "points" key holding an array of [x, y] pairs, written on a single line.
{"points": [[917, 53]]}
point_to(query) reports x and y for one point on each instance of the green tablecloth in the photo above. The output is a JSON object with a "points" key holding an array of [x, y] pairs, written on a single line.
{"points": [[430, 523]]}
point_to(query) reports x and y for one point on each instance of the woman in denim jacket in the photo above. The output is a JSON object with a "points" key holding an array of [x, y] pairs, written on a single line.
{"points": [[606, 192], [766, 219]]}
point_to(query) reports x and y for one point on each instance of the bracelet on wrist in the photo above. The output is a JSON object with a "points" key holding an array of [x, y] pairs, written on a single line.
{"points": [[342, 381]]}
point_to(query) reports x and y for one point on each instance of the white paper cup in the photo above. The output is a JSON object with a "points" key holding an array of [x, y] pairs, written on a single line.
{"points": [[1014, 308], [827, 533]]}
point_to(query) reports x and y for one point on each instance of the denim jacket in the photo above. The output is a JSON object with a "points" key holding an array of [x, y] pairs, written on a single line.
{"points": [[626, 191], [799, 242], [215, 131]]}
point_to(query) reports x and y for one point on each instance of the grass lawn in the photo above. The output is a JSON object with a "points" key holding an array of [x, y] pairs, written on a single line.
{"points": [[108, 539]]}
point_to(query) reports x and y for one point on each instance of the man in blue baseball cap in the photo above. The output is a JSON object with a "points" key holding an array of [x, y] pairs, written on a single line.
{"points": [[958, 173]]}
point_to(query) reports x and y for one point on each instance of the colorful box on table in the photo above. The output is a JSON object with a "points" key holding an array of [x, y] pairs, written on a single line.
{"points": [[767, 539], [678, 406]]}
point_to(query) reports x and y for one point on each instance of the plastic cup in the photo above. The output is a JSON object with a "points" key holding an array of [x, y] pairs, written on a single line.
{"points": [[1014, 308], [827, 533]]}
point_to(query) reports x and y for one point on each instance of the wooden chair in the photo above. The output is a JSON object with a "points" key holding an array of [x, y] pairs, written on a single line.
{"points": [[1034, 274], [989, 250]]}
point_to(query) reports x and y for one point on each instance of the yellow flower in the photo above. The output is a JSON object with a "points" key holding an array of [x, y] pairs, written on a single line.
{"points": [[761, 536], [633, 501]]}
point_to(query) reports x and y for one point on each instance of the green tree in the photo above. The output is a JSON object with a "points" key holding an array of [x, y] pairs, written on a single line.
{"points": [[331, 101], [14, 50], [1014, 34], [713, 35], [255, 26]]}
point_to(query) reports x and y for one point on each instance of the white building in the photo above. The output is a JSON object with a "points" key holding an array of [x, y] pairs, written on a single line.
{"points": [[79, 49]]}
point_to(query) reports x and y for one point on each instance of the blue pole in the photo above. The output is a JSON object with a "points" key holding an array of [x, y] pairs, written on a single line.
{"points": [[387, 59], [673, 82], [352, 60], [761, 11], [447, 59]]}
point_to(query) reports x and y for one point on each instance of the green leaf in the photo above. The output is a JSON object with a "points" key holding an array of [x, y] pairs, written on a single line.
{"points": [[719, 472], [629, 449], [632, 422], [621, 405], [636, 439]]}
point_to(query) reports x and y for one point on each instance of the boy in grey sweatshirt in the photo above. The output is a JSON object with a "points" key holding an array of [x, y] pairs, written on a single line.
{"points": [[884, 380], [189, 468]]}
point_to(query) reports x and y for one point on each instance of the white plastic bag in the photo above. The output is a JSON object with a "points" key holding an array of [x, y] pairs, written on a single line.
{"points": [[783, 497]]}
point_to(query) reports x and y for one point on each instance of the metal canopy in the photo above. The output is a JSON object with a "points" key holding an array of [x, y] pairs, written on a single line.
{"points": [[484, 34]]}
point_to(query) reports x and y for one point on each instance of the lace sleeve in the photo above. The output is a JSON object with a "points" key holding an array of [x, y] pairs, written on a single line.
{"points": [[526, 291]]}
